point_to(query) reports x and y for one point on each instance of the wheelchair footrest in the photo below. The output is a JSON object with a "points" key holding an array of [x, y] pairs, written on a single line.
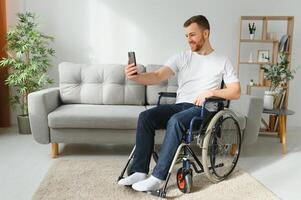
{"points": [[159, 193]]}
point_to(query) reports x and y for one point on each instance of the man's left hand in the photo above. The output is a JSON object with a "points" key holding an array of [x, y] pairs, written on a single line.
{"points": [[199, 100]]}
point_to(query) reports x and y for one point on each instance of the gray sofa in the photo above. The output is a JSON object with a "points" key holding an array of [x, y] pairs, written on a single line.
{"points": [[97, 104]]}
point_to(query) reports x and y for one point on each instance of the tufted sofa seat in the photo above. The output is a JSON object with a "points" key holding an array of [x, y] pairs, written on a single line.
{"points": [[97, 104]]}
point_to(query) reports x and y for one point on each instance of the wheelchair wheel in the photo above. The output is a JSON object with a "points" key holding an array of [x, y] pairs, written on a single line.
{"points": [[221, 146], [184, 180]]}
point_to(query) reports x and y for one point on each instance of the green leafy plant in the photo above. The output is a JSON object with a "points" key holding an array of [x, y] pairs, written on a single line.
{"points": [[28, 59], [252, 28], [278, 73]]}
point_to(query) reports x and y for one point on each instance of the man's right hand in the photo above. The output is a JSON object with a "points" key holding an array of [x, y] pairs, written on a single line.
{"points": [[131, 71]]}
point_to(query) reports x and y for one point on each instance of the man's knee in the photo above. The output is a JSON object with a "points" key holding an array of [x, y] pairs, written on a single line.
{"points": [[145, 115], [174, 120], [149, 114]]}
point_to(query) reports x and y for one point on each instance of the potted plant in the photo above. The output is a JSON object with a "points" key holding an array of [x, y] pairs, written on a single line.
{"points": [[28, 59], [278, 74], [252, 29]]}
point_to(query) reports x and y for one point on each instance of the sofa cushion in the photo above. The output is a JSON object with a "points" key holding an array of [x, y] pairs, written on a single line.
{"points": [[152, 91], [95, 116], [99, 84]]}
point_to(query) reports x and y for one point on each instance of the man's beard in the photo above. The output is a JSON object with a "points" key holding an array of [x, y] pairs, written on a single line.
{"points": [[196, 46]]}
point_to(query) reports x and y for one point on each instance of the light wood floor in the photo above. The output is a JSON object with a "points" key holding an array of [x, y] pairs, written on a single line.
{"points": [[23, 162]]}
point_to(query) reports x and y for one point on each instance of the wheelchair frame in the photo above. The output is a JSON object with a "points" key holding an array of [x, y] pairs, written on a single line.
{"points": [[185, 172]]}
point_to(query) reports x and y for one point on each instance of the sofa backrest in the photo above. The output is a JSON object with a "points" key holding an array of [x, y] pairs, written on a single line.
{"points": [[99, 84], [152, 91]]}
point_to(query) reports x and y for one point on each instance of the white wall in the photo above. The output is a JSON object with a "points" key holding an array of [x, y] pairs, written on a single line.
{"points": [[103, 31]]}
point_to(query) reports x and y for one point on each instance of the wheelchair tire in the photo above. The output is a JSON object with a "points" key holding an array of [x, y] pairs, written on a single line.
{"points": [[221, 146], [184, 180]]}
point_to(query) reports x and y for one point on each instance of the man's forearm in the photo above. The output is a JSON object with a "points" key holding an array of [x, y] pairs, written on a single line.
{"points": [[148, 78], [227, 93]]}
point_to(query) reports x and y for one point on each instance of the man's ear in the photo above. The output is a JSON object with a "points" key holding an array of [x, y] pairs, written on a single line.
{"points": [[206, 33]]}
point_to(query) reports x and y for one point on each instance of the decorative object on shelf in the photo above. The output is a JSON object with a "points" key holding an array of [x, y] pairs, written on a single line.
{"points": [[274, 98], [284, 44], [252, 29], [29, 57], [279, 73], [250, 58], [251, 83], [263, 56], [268, 100], [279, 97]]}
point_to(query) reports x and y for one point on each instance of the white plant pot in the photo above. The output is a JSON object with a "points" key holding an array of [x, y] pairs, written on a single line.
{"points": [[252, 36], [268, 100]]}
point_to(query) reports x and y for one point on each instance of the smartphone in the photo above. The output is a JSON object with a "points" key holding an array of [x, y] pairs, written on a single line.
{"points": [[132, 58]]}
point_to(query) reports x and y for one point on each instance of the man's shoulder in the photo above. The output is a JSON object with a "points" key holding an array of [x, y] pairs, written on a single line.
{"points": [[220, 56], [183, 54], [181, 57]]}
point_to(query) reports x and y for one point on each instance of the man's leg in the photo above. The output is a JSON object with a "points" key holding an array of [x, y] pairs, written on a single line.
{"points": [[176, 127], [148, 122]]}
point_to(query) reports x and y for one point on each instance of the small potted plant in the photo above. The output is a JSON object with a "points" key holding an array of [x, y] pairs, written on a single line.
{"points": [[252, 29], [278, 74], [28, 59]]}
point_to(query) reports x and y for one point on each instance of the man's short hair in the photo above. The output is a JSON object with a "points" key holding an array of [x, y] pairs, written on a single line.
{"points": [[200, 20]]}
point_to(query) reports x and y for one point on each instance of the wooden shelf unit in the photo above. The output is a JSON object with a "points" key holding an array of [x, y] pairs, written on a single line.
{"points": [[261, 41], [258, 41], [265, 40]]}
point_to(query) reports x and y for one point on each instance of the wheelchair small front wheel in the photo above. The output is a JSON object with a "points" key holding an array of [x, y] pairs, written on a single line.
{"points": [[221, 146], [184, 180]]}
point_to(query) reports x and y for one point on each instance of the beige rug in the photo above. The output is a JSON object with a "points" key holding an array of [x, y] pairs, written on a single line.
{"points": [[96, 179]]}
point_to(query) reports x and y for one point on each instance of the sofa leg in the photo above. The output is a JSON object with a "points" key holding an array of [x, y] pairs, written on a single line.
{"points": [[54, 150]]}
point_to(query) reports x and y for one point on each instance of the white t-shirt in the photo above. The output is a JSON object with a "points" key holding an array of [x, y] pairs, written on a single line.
{"points": [[198, 73]]}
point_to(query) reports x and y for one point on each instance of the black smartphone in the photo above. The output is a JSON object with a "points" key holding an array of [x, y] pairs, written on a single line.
{"points": [[132, 57]]}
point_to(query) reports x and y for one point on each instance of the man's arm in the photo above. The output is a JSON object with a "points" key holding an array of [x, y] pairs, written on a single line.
{"points": [[149, 78], [230, 92]]}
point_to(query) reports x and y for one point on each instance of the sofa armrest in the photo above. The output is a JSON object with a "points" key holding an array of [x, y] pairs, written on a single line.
{"points": [[40, 104], [251, 107]]}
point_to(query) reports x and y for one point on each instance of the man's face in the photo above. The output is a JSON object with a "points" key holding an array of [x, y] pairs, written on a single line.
{"points": [[196, 37]]}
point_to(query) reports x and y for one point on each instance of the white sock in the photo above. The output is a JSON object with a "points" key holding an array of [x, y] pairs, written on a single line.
{"points": [[150, 184], [134, 178]]}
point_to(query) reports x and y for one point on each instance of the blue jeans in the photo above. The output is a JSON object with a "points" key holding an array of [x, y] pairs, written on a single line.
{"points": [[175, 119]]}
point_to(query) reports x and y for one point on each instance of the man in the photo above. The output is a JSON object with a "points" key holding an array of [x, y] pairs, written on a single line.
{"points": [[200, 73]]}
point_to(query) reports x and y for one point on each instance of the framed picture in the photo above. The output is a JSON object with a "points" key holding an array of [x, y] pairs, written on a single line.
{"points": [[263, 56]]}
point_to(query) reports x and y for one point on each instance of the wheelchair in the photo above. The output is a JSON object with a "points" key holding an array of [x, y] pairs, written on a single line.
{"points": [[219, 138]]}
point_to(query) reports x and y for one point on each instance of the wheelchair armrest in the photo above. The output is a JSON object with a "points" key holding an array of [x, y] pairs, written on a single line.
{"points": [[218, 100], [166, 94], [215, 99]]}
